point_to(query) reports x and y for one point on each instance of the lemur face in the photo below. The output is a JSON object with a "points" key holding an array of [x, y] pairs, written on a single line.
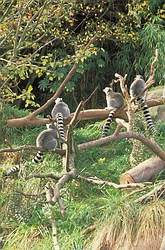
{"points": [[58, 100], [138, 77], [107, 90]]}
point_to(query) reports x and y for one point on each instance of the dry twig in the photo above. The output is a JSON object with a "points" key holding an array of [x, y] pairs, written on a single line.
{"points": [[97, 181]]}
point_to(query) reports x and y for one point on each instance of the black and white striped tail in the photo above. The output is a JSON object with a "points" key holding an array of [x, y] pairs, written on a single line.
{"points": [[60, 125], [107, 125], [147, 116], [16, 169], [12, 170], [38, 157]]}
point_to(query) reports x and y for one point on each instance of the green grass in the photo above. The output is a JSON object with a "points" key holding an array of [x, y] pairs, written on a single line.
{"points": [[25, 222]]}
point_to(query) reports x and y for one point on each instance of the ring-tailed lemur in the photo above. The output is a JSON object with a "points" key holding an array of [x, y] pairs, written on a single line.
{"points": [[60, 112], [114, 101], [136, 87], [47, 139]]}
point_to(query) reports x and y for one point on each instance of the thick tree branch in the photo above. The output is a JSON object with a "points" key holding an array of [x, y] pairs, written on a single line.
{"points": [[59, 185], [90, 114], [152, 145]]}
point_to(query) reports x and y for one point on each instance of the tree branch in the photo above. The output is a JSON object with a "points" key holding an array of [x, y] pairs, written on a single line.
{"points": [[31, 147], [90, 114], [28, 119], [49, 195], [158, 191], [69, 164], [152, 145], [97, 181]]}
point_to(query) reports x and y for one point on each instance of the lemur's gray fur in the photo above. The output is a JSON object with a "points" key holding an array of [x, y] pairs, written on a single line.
{"points": [[136, 87], [60, 112], [47, 139], [114, 102]]}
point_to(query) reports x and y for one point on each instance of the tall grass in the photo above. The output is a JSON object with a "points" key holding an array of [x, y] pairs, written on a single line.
{"points": [[25, 220]]}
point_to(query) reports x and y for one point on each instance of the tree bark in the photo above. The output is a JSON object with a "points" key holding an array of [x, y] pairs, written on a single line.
{"points": [[144, 171], [89, 114]]}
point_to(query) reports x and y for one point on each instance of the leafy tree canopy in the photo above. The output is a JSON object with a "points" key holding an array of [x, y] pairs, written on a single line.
{"points": [[37, 45]]}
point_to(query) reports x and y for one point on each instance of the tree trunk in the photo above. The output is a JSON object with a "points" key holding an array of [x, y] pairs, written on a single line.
{"points": [[145, 171]]}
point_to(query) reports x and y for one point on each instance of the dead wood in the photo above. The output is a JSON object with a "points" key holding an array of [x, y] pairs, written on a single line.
{"points": [[145, 171], [156, 193], [31, 147], [90, 114], [68, 159], [97, 181], [49, 195], [162, 247], [42, 176], [136, 191], [130, 107], [152, 145], [59, 185]]}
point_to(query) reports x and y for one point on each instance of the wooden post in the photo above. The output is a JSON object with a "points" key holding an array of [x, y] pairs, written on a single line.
{"points": [[144, 171]]}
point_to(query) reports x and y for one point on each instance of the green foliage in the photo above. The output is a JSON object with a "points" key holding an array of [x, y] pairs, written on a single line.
{"points": [[93, 59], [26, 218], [26, 95], [37, 44]]}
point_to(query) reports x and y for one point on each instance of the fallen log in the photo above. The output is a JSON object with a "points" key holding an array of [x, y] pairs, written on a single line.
{"points": [[144, 171]]}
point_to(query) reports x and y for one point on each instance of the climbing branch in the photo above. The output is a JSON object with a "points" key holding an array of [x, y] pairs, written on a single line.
{"points": [[152, 145], [69, 161], [31, 147]]}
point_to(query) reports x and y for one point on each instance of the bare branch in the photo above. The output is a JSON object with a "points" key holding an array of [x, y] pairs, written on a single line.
{"points": [[150, 81], [159, 190], [130, 107], [31, 147], [69, 147], [153, 146], [42, 176], [54, 234], [97, 181], [136, 191], [49, 195], [56, 198]]}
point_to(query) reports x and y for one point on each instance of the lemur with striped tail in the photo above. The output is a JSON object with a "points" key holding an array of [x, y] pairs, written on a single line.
{"points": [[60, 112], [47, 139], [136, 88], [114, 102]]}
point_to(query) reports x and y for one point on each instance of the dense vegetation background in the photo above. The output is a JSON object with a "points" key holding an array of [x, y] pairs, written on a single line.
{"points": [[39, 42], [37, 46]]}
